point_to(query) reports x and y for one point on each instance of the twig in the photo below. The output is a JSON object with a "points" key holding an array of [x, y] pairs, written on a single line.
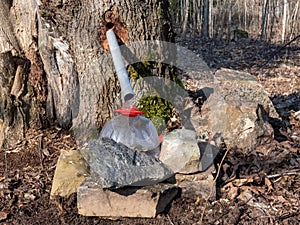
{"points": [[170, 220], [6, 164], [294, 172], [286, 215], [41, 151], [213, 184]]}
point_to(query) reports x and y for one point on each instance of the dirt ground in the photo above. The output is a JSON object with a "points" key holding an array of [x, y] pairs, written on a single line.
{"points": [[262, 187]]}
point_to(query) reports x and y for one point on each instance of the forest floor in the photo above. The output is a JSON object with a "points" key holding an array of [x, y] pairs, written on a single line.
{"points": [[262, 187]]}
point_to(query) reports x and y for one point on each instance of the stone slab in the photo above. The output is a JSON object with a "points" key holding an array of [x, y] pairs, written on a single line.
{"points": [[70, 172], [145, 202]]}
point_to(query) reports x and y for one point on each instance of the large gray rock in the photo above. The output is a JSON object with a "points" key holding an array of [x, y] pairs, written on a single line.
{"points": [[114, 165], [238, 110], [146, 202], [180, 151]]}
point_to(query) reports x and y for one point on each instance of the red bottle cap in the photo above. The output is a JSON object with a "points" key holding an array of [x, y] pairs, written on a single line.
{"points": [[130, 112]]}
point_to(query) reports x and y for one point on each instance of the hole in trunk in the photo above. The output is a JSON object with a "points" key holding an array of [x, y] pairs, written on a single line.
{"points": [[109, 26]]}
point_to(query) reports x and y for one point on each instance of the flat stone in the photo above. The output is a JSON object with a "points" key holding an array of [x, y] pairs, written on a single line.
{"points": [[145, 202], [180, 151], [70, 172], [198, 185], [237, 111], [114, 165]]}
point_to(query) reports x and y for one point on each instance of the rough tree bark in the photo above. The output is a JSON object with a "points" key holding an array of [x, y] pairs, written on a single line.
{"points": [[54, 68]]}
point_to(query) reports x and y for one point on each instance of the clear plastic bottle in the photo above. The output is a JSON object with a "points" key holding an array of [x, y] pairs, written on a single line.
{"points": [[136, 132]]}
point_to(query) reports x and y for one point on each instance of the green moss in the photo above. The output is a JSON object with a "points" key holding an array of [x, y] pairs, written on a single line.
{"points": [[150, 59], [133, 74], [159, 11], [158, 110], [140, 69], [242, 33], [178, 81]]}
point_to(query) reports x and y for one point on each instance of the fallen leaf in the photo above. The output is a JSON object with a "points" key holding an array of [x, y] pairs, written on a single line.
{"points": [[230, 190], [282, 200], [29, 196], [247, 197], [269, 184], [254, 189], [241, 182], [45, 152], [3, 215]]}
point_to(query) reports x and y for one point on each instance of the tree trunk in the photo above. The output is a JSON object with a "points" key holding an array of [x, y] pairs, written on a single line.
{"points": [[54, 66], [284, 18], [230, 6], [206, 19], [186, 17], [210, 20], [23, 84], [264, 22]]}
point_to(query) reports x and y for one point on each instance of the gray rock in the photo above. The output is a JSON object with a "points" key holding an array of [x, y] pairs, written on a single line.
{"points": [[145, 202], [237, 111], [114, 165], [208, 153], [198, 185], [180, 151]]}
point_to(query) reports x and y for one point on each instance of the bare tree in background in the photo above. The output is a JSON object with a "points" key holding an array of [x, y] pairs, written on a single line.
{"points": [[206, 19], [186, 16], [284, 18], [265, 13], [295, 21], [273, 20]]}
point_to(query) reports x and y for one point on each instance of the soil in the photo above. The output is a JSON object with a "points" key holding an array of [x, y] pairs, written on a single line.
{"points": [[262, 187]]}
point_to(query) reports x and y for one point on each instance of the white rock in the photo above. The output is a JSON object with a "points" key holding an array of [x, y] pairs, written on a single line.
{"points": [[180, 151]]}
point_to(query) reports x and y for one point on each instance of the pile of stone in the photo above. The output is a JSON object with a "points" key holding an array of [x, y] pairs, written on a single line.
{"points": [[112, 180], [123, 182]]}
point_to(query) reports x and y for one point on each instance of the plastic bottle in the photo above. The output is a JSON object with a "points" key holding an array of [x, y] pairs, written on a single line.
{"points": [[136, 132]]}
